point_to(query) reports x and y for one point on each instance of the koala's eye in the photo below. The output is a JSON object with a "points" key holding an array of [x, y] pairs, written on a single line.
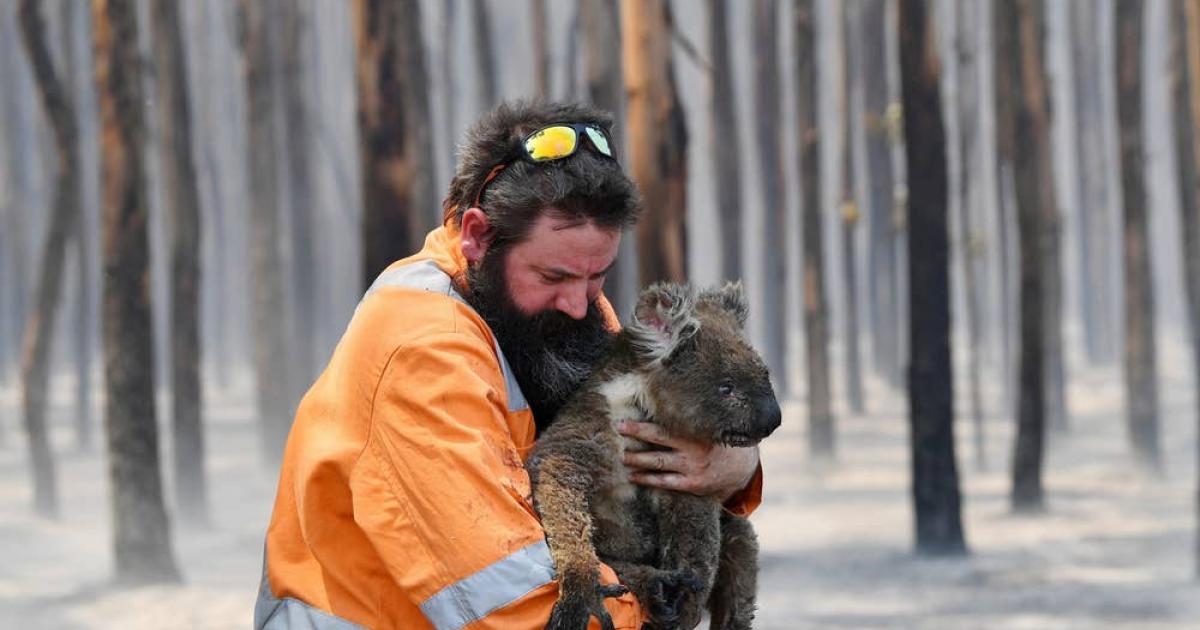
{"points": [[725, 389]]}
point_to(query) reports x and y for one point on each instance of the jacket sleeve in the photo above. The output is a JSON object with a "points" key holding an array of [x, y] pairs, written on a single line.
{"points": [[746, 500], [442, 493]]}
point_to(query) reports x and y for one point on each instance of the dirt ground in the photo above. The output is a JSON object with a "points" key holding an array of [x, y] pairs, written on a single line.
{"points": [[1113, 550]]}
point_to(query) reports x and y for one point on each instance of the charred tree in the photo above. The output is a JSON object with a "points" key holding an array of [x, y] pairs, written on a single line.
{"points": [[541, 53], [271, 367], [1004, 71], [658, 139], [849, 216], [142, 535], [930, 384], [816, 334], [722, 123], [183, 203], [773, 243], [485, 52], [306, 275], [1019, 37], [1099, 330], [882, 232], [393, 129], [1141, 386], [64, 220], [1187, 132], [970, 243], [600, 27]]}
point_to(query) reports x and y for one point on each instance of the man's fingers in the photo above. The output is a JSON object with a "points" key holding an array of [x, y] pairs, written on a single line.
{"points": [[656, 461], [666, 481], [646, 432]]}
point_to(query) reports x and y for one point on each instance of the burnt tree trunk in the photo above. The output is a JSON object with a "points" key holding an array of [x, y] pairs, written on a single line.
{"points": [[64, 220], [820, 409], [541, 53], [142, 535], [849, 217], [1187, 133], [881, 255], [272, 369], [1141, 387], [658, 139], [600, 27], [970, 242], [1004, 71], [306, 274], [485, 52], [1099, 330], [772, 243], [727, 160], [1019, 37], [183, 203], [393, 129], [930, 384]]}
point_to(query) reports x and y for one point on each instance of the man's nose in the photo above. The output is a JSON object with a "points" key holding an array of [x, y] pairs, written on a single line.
{"points": [[573, 300]]}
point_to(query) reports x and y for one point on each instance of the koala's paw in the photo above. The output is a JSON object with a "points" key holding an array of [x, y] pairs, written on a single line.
{"points": [[577, 605], [674, 601]]}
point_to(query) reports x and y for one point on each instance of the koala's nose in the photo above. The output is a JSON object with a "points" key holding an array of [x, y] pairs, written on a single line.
{"points": [[769, 414]]}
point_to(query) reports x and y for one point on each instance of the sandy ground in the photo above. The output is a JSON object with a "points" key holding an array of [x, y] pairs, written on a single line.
{"points": [[1113, 550]]}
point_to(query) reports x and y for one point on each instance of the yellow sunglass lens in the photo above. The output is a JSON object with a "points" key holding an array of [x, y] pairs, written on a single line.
{"points": [[551, 143]]}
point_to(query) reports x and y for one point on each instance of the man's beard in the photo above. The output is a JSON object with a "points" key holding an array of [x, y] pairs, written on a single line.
{"points": [[550, 353]]}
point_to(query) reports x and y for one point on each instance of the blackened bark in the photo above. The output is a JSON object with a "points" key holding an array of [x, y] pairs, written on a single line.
{"points": [[142, 536], [930, 385], [1099, 330], [1141, 388], [820, 410], [881, 256], [849, 216], [183, 201], [39, 327], [968, 112], [485, 52], [393, 129], [1187, 132], [1019, 37], [658, 140], [727, 159], [1003, 71], [267, 302], [773, 244]]}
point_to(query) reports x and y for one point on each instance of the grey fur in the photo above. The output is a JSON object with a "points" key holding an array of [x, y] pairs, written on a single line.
{"points": [[683, 363]]}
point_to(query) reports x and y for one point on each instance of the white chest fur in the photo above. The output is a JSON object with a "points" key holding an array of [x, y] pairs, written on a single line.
{"points": [[627, 400]]}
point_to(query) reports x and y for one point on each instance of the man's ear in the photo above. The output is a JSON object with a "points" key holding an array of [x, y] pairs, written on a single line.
{"points": [[662, 319], [477, 234]]}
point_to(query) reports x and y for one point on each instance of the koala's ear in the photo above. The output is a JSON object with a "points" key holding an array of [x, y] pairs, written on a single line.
{"points": [[731, 298], [663, 319]]}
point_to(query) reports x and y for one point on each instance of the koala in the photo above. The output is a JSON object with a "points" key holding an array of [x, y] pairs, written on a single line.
{"points": [[683, 363]]}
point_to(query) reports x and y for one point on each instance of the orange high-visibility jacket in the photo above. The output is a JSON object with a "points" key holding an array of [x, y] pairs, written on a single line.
{"points": [[403, 501]]}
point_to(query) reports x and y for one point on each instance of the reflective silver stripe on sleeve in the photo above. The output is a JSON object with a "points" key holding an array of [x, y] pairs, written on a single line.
{"points": [[493, 587], [426, 275], [289, 613]]}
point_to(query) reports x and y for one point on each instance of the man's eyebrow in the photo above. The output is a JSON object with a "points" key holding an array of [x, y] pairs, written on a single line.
{"points": [[568, 274]]}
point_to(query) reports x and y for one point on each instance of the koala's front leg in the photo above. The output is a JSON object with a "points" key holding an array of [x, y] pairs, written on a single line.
{"points": [[732, 601], [690, 533], [560, 497]]}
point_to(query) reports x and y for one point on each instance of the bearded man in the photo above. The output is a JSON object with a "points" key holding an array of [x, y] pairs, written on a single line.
{"points": [[403, 501]]}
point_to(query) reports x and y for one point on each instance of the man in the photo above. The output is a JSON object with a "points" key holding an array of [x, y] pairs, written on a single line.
{"points": [[403, 501]]}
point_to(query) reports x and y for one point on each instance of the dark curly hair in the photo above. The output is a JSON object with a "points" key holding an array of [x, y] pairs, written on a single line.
{"points": [[586, 185]]}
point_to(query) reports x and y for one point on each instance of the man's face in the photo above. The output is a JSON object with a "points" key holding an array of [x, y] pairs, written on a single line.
{"points": [[539, 298]]}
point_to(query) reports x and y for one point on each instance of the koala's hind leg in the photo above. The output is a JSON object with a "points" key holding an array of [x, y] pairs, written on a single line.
{"points": [[690, 535], [659, 591], [733, 596]]}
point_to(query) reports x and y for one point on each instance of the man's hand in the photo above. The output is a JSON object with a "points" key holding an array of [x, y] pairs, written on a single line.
{"points": [[688, 466]]}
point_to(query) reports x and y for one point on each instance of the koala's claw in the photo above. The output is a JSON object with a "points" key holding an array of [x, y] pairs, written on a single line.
{"points": [[576, 606], [671, 596]]}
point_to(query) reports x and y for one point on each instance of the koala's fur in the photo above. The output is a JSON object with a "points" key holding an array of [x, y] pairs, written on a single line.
{"points": [[683, 363]]}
